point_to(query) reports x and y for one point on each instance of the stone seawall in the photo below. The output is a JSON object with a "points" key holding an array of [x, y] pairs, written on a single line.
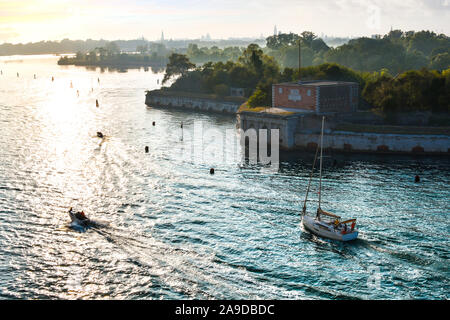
{"points": [[191, 103], [302, 132], [376, 142]]}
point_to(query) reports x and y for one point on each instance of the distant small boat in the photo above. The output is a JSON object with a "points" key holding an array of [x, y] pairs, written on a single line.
{"points": [[326, 224], [79, 218], [80, 222]]}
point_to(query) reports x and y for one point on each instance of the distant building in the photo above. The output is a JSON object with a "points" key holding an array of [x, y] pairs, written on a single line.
{"points": [[275, 30], [206, 37], [316, 96]]}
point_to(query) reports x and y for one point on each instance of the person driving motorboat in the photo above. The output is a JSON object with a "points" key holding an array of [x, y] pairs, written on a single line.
{"points": [[81, 215], [77, 215]]}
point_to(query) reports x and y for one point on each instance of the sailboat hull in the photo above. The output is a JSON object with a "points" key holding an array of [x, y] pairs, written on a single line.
{"points": [[326, 230]]}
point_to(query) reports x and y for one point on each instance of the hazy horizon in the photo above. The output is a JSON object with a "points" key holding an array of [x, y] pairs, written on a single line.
{"points": [[33, 21]]}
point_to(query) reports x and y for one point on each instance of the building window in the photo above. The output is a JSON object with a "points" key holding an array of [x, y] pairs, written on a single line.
{"points": [[295, 95], [280, 90], [309, 93]]}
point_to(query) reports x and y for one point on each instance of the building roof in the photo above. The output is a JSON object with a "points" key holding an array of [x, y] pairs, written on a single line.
{"points": [[316, 83]]}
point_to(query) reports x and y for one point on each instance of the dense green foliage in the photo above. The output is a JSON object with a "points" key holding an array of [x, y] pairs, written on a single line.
{"points": [[422, 90], [214, 54], [285, 48], [255, 71], [178, 64], [258, 98], [397, 51]]}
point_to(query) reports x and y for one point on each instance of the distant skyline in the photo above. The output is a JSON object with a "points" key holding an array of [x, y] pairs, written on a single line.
{"points": [[31, 20]]}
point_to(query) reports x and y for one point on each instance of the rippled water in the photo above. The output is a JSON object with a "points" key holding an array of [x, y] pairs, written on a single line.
{"points": [[175, 231]]}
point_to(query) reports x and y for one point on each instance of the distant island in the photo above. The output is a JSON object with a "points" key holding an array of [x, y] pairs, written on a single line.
{"points": [[71, 46], [395, 52], [111, 56]]}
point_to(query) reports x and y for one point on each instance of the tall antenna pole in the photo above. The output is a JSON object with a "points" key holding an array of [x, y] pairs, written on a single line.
{"points": [[321, 149], [299, 60]]}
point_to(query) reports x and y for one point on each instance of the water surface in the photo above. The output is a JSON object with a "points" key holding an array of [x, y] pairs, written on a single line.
{"points": [[175, 231]]}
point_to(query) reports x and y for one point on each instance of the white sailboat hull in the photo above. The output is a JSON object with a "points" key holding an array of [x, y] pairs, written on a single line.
{"points": [[327, 230]]}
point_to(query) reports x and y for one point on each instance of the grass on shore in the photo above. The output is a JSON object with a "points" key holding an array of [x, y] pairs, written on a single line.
{"points": [[246, 107]]}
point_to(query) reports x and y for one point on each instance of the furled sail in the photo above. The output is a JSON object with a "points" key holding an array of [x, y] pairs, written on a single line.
{"points": [[328, 214]]}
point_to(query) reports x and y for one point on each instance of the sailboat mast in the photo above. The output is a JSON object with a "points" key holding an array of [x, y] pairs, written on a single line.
{"points": [[310, 179], [321, 153]]}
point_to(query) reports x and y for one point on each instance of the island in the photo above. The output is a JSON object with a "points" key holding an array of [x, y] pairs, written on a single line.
{"points": [[111, 56], [376, 111]]}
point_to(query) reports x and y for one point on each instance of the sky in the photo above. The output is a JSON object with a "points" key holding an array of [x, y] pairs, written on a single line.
{"points": [[32, 20]]}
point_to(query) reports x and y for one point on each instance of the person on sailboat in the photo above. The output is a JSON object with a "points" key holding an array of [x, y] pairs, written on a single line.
{"points": [[345, 228]]}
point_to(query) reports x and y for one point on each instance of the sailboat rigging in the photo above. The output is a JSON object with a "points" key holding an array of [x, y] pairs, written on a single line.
{"points": [[326, 224]]}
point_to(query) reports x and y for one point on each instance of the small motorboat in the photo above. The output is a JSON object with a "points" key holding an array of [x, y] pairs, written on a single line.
{"points": [[79, 218]]}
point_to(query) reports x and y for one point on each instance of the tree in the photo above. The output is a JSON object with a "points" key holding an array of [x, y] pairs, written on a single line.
{"points": [[415, 90], [319, 45], [394, 34], [242, 77], [308, 37], [102, 52], [288, 56], [276, 42], [92, 56], [112, 48], [440, 61], [252, 57], [179, 64], [259, 99]]}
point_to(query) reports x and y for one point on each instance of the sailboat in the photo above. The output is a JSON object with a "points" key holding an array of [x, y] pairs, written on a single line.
{"points": [[326, 224]]}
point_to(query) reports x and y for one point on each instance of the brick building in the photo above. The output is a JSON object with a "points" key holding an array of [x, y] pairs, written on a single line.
{"points": [[316, 96]]}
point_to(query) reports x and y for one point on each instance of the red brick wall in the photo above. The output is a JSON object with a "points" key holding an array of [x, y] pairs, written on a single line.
{"points": [[282, 99]]}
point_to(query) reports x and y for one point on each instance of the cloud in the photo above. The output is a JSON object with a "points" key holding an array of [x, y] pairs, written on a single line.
{"points": [[7, 34], [112, 19]]}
